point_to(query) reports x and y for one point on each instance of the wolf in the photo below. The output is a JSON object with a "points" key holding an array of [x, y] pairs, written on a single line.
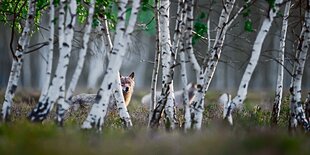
{"points": [[127, 83], [191, 88]]}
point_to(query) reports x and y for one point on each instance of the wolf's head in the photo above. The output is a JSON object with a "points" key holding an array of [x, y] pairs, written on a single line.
{"points": [[128, 84]]}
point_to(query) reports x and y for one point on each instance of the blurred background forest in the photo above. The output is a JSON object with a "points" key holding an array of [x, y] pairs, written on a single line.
{"points": [[236, 51]]}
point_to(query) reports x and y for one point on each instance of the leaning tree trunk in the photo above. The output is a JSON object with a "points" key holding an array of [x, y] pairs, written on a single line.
{"points": [[99, 108], [61, 110], [120, 104], [297, 112], [279, 89], [257, 46], [17, 63], [210, 64], [57, 88], [118, 95]]}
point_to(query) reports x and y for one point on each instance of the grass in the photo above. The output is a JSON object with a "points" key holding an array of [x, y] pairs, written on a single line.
{"points": [[251, 133]]}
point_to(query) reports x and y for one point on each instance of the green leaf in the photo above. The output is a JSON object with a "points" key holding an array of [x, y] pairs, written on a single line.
{"points": [[248, 26], [201, 29]]}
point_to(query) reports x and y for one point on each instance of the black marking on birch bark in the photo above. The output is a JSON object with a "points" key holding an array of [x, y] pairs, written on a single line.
{"points": [[244, 85], [65, 44], [13, 88], [109, 86], [98, 97]]}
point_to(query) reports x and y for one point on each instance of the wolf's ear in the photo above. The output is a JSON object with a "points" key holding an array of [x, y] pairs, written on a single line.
{"points": [[132, 75]]}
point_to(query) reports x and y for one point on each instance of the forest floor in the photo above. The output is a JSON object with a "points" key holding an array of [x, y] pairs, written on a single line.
{"points": [[251, 133]]}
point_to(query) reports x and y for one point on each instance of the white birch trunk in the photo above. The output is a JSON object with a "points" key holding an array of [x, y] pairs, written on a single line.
{"points": [[57, 88], [167, 58], [17, 63], [50, 52], [187, 46], [187, 114], [61, 110], [210, 64], [99, 108], [170, 105], [257, 46], [297, 111], [279, 89], [118, 95], [120, 104], [155, 67]]}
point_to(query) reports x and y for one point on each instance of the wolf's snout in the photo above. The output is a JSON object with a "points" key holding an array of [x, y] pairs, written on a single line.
{"points": [[126, 89]]}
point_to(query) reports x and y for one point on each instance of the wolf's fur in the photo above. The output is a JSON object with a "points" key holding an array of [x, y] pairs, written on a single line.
{"points": [[127, 83], [191, 88]]}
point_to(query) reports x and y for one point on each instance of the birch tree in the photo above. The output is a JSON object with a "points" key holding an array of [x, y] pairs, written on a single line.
{"points": [[204, 76], [256, 50], [156, 66], [61, 110], [56, 89], [279, 88], [17, 63], [99, 108], [297, 113], [168, 55], [50, 53], [186, 46]]}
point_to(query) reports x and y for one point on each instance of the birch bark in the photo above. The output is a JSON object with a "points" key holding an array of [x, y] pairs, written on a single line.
{"points": [[155, 67], [57, 88], [61, 110], [297, 112], [167, 59], [99, 108], [17, 63], [242, 91], [210, 64], [50, 53], [279, 89]]}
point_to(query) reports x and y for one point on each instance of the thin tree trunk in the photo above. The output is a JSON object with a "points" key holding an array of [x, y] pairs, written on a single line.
{"points": [[168, 59], [57, 88], [210, 63], [99, 108], [187, 46], [50, 53], [256, 50], [297, 112], [61, 110], [279, 89], [156, 66], [17, 63]]}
